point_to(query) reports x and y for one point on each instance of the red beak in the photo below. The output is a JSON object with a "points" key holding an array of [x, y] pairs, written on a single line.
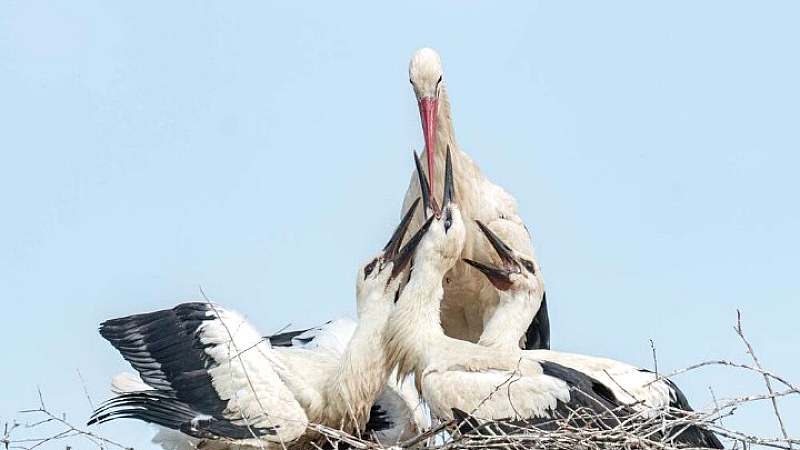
{"points": [[428, 108]]}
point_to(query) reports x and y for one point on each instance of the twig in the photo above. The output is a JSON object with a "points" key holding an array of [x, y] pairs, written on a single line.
{"points": [[740, 332], [655, 358], [723, 362], [69, 431]]}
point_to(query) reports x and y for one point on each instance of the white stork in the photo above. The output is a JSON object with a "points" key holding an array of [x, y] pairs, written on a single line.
{"points": [[209, 374], [508, 383], [511, 319], [397, 415], [469, 300]]}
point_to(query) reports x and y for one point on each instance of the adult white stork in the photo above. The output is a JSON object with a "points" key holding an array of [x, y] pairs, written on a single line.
{"points": [[209, 374], [509, 383], [469, 300]]}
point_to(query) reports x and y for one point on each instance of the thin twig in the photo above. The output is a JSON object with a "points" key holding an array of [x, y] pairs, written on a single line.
{"points": [[740, 332], [68, 431], [655, 358]]}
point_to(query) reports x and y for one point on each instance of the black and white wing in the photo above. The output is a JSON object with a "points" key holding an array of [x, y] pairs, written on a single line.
{"points": [[645, 392], [210, 375], [534, 391], [691, 436], [547, 398]]}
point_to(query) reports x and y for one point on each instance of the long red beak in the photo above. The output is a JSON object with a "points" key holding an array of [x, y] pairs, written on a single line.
{"points": [[428, 109]]}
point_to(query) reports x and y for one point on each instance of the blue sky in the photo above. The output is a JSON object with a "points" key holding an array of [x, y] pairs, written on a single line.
{"points": [[261, 152]]}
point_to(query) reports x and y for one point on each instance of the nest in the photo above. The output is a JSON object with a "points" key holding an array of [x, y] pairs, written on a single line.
{"points": [[581, 429]]}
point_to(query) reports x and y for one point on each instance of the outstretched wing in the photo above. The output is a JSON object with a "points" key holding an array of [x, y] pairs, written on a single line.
{"points": [[211, 375]]}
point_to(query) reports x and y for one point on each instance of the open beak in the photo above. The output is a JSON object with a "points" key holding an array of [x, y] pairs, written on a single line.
{"points": [[428, 110], [449, 190], [500, 277], [404, 255], [392, 247], [506, 254], [424, 189]]}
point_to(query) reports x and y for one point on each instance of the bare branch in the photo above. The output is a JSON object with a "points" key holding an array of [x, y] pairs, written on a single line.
{"points": [[740, 332], [65, 430]]}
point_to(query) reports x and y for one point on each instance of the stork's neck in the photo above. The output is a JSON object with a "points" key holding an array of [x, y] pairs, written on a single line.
{"points": [[445, 133], [510, 320], [362, 372], [467, 174], [414, 327]]}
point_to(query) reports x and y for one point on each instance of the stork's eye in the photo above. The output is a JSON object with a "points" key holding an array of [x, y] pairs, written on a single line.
{"points": [[369, 268], [528, 266], [448, 222], [411, 81]]}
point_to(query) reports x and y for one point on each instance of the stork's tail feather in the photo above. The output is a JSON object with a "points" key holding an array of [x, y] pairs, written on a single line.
{"points": [[161, 408]]}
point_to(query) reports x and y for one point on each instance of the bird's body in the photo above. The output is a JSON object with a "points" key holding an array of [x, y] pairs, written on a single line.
{"points": [[208, 374], [261, 397], [396, 415], [507, 383], [512, 384], [470, 301]]}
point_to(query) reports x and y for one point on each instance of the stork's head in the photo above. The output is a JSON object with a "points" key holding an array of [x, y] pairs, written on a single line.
{"points": [[379, 278], [443, 243], [516, 272], [425, 75]]}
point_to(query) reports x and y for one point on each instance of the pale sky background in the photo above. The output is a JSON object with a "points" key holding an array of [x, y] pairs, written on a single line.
{"points": [[262, 152]]}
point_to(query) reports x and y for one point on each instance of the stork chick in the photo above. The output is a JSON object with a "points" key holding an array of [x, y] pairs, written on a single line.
{"points": [[209, 374], [507, 383]]}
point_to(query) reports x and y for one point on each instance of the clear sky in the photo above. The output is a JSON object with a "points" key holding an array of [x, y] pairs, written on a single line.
{"points": [[261, 151]]}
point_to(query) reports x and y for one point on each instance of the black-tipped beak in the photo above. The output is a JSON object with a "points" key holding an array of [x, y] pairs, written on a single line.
{"points": [[500, 278], [393, 246], [505, 253], [404, 255], [449, 191], [424, 189]]}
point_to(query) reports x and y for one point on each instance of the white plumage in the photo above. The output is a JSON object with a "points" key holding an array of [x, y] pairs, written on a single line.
{"points": [[516, 279], [209, 374], [210, 380], [506, 382], [469, 301], [398, 413]]}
